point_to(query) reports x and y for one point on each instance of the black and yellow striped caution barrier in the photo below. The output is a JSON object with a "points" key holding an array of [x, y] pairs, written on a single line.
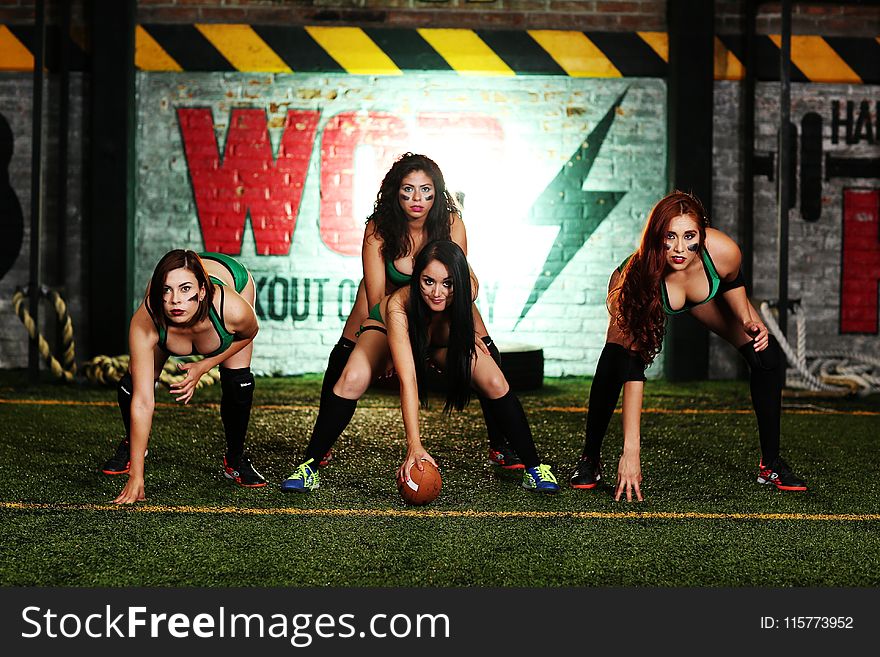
{"points": [[398, 51]]}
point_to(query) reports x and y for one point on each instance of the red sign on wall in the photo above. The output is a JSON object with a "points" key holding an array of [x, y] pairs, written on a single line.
{"points": [[248, 179], [861, 261]]}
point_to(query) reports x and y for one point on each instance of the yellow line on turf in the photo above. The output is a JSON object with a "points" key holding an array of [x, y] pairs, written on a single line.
{"points": [[535, 409], [429, 513]]}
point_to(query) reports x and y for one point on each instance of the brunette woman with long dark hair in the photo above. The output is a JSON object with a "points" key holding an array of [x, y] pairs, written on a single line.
{"points": [[413, 207], [681, 265], [195, 304], [430, 320]]}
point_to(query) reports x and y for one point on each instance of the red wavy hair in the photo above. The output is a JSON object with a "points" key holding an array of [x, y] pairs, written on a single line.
{"points": [[640, 313]]}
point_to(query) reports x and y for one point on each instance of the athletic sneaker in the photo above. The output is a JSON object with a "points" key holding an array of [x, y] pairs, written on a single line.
{"points": [[120, 462], [587, 474], [540, 479], [780, 475], [505, 458], [304, 480], [242, 472]]}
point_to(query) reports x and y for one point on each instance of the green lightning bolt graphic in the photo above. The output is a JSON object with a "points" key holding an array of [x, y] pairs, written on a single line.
{"points": [[576, 221]]}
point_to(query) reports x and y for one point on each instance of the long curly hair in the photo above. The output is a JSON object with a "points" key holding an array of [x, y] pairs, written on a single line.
{"points": [[461, 349], [388, 217], [640, 314]]}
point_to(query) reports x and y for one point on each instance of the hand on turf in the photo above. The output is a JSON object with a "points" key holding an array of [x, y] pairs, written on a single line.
{"points": [[186, 388], [133, 492], [629, 477], [758, 332], [414, 458]]}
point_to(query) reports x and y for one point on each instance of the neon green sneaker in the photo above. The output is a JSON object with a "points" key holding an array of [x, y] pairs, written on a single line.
{"points": [[304, 480], [540, 479]]}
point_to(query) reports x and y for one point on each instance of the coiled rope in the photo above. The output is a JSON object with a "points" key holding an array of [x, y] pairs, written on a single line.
{"points": [[835, 372], [105, 370], [66, 368]]}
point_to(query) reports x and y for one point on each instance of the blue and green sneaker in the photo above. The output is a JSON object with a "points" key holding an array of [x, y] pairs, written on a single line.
{"points": [[540, 479], [304, 480]]}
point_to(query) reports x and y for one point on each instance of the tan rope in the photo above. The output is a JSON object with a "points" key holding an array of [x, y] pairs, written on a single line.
{"points": [[66, 369]]}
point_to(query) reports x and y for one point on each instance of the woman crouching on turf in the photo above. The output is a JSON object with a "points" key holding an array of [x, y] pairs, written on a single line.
{"points": [[681, 265], [430, 319], [193, 305]]}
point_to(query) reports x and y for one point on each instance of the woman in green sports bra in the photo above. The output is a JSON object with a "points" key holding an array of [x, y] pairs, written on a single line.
{"points": [[412, 208], [681, 265], [193, 305], [431, 319]]}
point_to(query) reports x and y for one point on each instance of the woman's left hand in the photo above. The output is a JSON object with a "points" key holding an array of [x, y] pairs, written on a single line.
{"points": [[758, 332], [414, 458], [186, 388]]}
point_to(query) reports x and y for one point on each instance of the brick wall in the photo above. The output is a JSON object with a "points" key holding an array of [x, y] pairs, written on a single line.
{"points": [[16, 109], [816, 247], [502, 142]]}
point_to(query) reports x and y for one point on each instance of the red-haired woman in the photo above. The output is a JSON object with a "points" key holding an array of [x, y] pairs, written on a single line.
{"points": [[681, 265], [193, 305]]}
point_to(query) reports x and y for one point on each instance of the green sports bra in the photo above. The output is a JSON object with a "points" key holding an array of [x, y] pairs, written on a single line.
{"points": [[226, 338], [397, 278], [711, 275]]}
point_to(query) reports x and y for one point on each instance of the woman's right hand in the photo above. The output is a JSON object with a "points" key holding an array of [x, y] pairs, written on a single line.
{"points": [[133, 491], [629, 477], [414, 458]]}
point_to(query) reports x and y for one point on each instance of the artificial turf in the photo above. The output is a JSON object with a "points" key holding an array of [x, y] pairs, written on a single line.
{"points": [[704, 521]]}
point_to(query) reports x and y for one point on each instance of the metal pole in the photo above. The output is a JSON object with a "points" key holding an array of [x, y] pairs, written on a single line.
{"points": [[784, 163], [36, 186], [747, 148]]}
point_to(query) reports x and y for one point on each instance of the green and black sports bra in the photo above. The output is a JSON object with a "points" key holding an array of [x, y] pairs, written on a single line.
{"points": [[397, 278], [240, 277], [711, 275]]}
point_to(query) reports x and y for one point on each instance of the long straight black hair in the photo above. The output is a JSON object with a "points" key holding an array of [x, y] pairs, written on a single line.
{"points": [[388, 217], [461, 349]]}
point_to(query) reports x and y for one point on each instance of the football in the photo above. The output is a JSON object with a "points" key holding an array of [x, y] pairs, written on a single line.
{"points": [[423, 486]]}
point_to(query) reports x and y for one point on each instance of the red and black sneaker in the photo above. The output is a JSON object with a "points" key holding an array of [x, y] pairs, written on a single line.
{"points": [[505, 458], [780, 475], [587, 474], [243, 472], [327, 458], [120, 462]]}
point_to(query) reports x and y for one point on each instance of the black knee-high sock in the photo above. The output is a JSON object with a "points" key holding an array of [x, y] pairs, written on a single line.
{"points": [[512, 420], [616, 366], [335, 364], [496, 437], [235, 408], [333, 416], [766, 379], [123, 398]]}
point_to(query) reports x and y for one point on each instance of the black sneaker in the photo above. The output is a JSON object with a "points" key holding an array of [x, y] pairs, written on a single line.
{"points": [[242, 472], [587, 474], [780, 475], [506, 458], [120, 462]]}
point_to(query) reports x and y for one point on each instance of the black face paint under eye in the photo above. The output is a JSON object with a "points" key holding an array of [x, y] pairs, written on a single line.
{"points": [[405, 197], [667, 246], [693, 248], [429, 198], [194, 298]]}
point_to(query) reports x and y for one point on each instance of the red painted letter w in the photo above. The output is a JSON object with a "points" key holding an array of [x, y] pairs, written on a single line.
{"points": [[250, 179]]}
